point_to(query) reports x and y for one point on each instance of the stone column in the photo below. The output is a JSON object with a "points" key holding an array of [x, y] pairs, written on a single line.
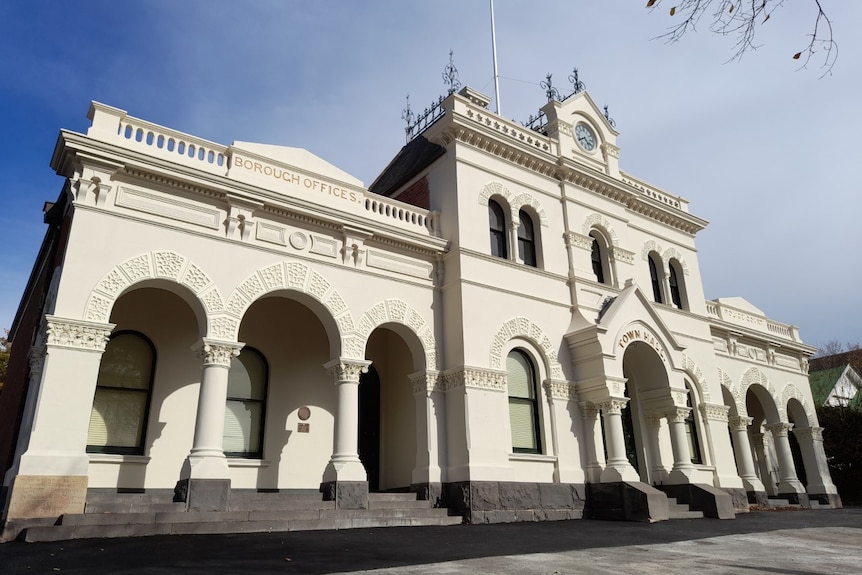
{"points": [[513, 238], [683, 468], [744, 460], [430, 434], [207, 477], [658, 472], [345, 480], [763, 461], [820, 484], [592, 434], [788, 483], [52, 471], [618, 467]]}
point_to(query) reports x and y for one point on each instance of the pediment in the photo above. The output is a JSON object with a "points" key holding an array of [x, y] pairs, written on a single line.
{"points": [[297, 158]]}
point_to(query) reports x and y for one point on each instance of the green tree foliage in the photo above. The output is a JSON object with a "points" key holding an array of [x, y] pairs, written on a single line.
{"points": [[842, 440]]}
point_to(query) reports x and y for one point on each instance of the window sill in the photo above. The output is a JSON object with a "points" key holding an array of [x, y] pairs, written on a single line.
{"points": [[240, 462], [532, 457], [118, 459]]}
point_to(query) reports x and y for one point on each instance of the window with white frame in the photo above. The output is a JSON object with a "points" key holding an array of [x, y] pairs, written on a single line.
{"points": [[523, 403], [245, 409]]}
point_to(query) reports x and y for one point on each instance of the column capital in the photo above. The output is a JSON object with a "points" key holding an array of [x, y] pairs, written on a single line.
{"points": [[76, 334], [677, 414], [779, 429], [815, 433], [613, 405], [654, 418], [216, 352], [345, 370], [739, 423], [589, 410]]}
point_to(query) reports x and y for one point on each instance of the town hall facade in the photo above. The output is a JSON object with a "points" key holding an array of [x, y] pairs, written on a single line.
{"points": [[504, 324]]}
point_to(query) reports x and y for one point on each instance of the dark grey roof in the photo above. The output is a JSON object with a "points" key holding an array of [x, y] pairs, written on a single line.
{"points": [[409, 161]]}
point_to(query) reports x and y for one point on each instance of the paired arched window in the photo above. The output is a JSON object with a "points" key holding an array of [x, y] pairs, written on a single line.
{"points": [[246, 405], [497, 221], [677, 288], [526, 239], [523, 403], [655, 278], [599, 258], [118, 421], [691, 429]]}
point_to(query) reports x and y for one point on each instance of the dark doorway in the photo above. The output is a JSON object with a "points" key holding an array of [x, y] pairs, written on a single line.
{"points": [[369, 426]]}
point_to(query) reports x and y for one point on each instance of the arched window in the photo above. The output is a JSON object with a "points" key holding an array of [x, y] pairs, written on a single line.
{"points": [[523, 403], [497, 221], [654, 277], [526, 239], [118, 421], [246, 405], [691, 430], [677, 290], [599, 258]]}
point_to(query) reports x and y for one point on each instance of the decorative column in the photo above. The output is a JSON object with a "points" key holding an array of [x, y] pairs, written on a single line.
{"points": [[590, 413], [744, 461], [51, 476], [683, 468], [206, 481], [345, 480], [788, 484], [820, 486], [430, 435], [658, 472], [513, 238], [618, 467]]}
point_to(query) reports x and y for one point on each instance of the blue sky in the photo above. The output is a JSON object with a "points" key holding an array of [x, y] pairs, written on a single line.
{"points": [[764, 151]]}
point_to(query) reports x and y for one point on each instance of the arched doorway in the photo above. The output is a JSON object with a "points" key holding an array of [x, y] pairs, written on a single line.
{"points": [[387, 420]]}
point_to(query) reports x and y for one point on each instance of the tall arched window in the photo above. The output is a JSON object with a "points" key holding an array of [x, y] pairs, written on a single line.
{"points": [[118, 421], [677, 290], [523, 403], [691, 430], [526, 239], [497, 222], [654, 277], [246, 405], [599, 258]]}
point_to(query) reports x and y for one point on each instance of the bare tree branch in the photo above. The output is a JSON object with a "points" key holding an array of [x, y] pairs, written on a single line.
{"points": [[741, 19]]}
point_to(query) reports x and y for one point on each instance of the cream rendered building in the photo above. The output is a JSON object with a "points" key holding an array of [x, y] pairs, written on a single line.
{"points": [[219, 320]]}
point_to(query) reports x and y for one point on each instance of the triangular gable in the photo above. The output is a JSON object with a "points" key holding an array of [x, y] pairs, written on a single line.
{"points": [[584, 103], [298, 158], [629, 307]]}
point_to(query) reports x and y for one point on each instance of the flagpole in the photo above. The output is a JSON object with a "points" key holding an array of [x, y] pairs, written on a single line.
{"points": [[494, 51]]}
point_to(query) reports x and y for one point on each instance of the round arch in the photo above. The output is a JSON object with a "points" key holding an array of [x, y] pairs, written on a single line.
{"points": [[397, 315], [795, 404], [497, 189], [596, 221], [531, 205], [695, 375], [522, 327], [165, 269], [313, 290], [756, 381]]}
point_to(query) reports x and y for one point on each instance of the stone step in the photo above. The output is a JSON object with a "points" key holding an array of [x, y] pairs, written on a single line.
{"points": [[776, 502], [395, 496], [83, 531], [131, 507], [686, 514], [284, 494], [398, 504], [281, 504]]}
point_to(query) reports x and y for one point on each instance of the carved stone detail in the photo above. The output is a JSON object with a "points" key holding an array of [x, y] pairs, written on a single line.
{"points": [[168, 264], [808, 433], [677, 414], [577, 240], [560, 390], [343, 370], [214, 352], [714, 411], [613, 405], [427, 382], [77, 334], [779, 428], [753, 376], [621, 255], [589, 410], [224, 327], [525, 199], [739, 423], [398, 311], [475, 378], [523, 327], [493, 189], [596, 220], [195, 278], [792, 392]]}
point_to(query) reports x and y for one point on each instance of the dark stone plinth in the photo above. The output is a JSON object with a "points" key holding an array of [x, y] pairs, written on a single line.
{"points": [[796, 498], [507, 501], [759, 498], [833, 500], [429, 492], [346, 494], [739, 497], [711, 501], [203, 494], [626, 501]]}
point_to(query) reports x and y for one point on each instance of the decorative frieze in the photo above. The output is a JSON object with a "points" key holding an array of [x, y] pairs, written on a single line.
{"points": [[677, 414], [556, 389], [577, 240], [621, 255], [426, 382], [714, 411], [523, 327], [214, 352], [739, 423], [779, 429], [475, 378], [613, 405], [77, 334]]}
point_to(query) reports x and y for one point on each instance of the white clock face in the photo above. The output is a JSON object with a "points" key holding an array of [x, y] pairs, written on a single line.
{"points": [[585, 137]]}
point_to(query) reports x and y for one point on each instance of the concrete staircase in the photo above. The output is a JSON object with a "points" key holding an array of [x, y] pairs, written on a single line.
{"points": [[681, 510], [141, 514]]}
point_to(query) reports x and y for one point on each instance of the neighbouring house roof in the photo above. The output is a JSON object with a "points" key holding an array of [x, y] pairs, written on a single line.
{"points": [[836, 385]]}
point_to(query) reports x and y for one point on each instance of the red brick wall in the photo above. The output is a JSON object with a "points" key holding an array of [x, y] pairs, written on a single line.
{"points": [[416, 195]]}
